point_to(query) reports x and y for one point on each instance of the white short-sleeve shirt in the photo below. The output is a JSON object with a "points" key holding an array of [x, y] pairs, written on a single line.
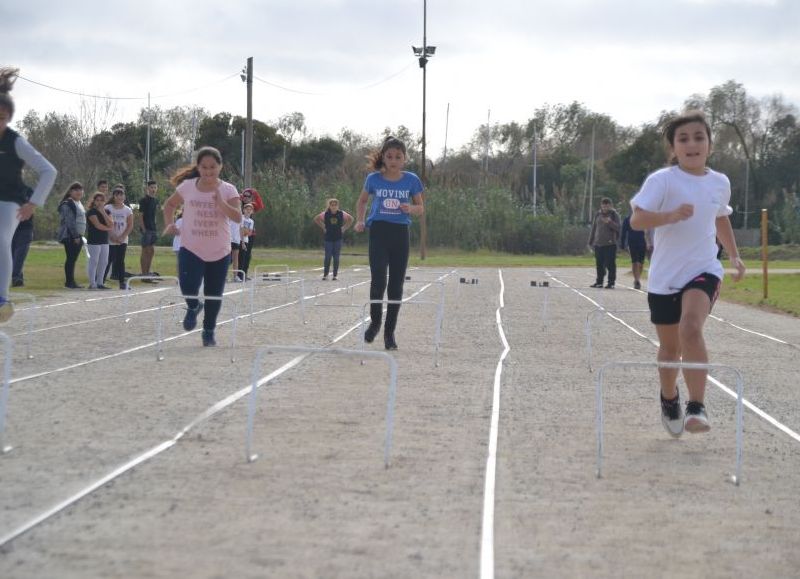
{"points": [[684, 250]]}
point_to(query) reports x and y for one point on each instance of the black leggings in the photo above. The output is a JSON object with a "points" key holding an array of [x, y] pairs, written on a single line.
{"points": [[116, 262], [388, 248], [73, 250]]}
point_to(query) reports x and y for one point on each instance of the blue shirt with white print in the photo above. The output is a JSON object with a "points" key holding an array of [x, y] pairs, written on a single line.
{"points": [[387, 196]]}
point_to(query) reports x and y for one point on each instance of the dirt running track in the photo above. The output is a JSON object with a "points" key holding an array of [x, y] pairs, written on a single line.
{"points": [[319, 502]]}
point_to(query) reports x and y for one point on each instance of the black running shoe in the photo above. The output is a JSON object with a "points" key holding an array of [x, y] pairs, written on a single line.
{"points": [[672, 416], [597, 284], [208, 339], [190, 319], [388, 341], [371, 332]]}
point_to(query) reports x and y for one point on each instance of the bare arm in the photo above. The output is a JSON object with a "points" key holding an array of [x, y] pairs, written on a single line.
{"points": [[320, 221], [728, 241], [232, 209], [361, 210], [417, 206], [170, 206], [642, 219], [348, 221], [101, 226], [128, 226]]}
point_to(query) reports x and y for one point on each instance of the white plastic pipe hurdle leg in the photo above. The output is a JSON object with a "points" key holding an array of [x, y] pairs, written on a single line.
{"points": [[8, 355], [128, 281], [392, 394], [736, 477], [160, 322]]}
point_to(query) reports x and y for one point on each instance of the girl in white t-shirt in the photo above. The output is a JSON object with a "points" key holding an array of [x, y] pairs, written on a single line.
{"points": [[688, 206]]}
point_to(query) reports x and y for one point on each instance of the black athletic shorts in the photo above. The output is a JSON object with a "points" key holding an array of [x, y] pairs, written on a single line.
{"points": [[666, 309], [149, 238], [637, 254]]}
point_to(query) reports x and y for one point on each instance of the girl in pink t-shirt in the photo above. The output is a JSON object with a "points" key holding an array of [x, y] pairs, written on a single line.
{"points": [[204, 256]]}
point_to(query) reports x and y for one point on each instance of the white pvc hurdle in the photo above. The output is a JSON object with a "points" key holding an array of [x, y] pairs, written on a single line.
{"points": [[31, 314], [8, 353], [546, 286], [137, 278], [251, 405], [599, 419], [160, 323], [588, 326], [439, 317]]}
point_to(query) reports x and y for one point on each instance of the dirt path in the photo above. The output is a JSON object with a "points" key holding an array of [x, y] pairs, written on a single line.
{"points": [[319, 503]]}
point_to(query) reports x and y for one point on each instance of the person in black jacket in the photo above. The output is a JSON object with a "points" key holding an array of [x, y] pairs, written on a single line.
{"points": [[17, 202], [71, 229]]}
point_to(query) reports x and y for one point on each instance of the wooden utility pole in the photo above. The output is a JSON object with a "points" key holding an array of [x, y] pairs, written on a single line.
{"points": [[248, 140]]}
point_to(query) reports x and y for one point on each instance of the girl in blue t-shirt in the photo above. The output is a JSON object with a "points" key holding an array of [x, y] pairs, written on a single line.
{"points": [[396, 196]]}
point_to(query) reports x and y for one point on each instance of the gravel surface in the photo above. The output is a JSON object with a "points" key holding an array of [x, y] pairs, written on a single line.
{"points": [[319, 503]]}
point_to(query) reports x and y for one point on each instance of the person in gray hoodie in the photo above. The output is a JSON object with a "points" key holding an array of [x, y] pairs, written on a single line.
{"points": [[603, 239]]}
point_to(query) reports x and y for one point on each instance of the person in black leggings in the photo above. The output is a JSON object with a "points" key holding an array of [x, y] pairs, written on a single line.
{"points": [[396, 196]]}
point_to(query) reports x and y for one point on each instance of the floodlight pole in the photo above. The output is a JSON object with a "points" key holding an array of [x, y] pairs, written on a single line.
{"points": [[248, 164], [423, 61]]}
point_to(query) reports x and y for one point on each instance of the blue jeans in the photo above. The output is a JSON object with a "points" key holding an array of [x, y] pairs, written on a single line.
{"points": [[192, 271], [332, 249]]}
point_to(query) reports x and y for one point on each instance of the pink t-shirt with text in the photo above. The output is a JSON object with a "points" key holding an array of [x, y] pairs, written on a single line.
{"points": [[205, 230]]}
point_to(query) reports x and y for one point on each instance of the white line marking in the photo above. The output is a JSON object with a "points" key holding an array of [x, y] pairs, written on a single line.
{"points": [[756, 410], [487, 527], [158, 449]]}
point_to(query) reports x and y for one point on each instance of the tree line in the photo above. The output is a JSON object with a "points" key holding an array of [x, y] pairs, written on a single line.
{"points": [[478, 196]]}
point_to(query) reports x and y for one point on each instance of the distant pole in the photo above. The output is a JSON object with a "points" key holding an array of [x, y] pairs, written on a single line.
{"points": [[746, 190], [534, 170], [423, 54], [248, 167], [591, 179], [243, 153], [194, 136], [764, 251], [486, 145], [147, 145], [446, 129]]}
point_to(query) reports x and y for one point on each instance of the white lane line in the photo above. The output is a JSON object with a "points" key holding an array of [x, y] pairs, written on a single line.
{"points": [[730, 392], [148, 344], [167, 444], [487, 527]]}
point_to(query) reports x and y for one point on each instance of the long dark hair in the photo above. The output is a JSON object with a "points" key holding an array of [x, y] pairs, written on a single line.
{"points": [[376, 158], [192, 171], [8, 77], [74, 186]]}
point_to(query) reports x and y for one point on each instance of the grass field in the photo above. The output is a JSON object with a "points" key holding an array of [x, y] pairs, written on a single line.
{"points": [[44, 268]]}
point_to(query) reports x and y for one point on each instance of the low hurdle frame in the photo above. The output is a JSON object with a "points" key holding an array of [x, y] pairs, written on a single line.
{"points": [[8, 353], [390, 403], [600, 421]]}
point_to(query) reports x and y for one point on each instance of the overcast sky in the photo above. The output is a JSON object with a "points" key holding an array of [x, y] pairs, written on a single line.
{"points": [[629, 59]]}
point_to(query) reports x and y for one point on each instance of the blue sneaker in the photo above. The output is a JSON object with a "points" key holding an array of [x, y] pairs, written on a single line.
{"points": [[190, 319], [6, 310]]}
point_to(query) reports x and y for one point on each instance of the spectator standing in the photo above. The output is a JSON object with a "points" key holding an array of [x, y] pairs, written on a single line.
{"points": [[603, 239]]}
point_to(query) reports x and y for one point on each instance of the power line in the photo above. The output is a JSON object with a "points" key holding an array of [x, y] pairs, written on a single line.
{"points": [[125, 98]]}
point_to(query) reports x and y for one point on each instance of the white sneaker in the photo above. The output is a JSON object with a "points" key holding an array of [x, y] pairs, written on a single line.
{"points": [[696, 419], [672, 416]]}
